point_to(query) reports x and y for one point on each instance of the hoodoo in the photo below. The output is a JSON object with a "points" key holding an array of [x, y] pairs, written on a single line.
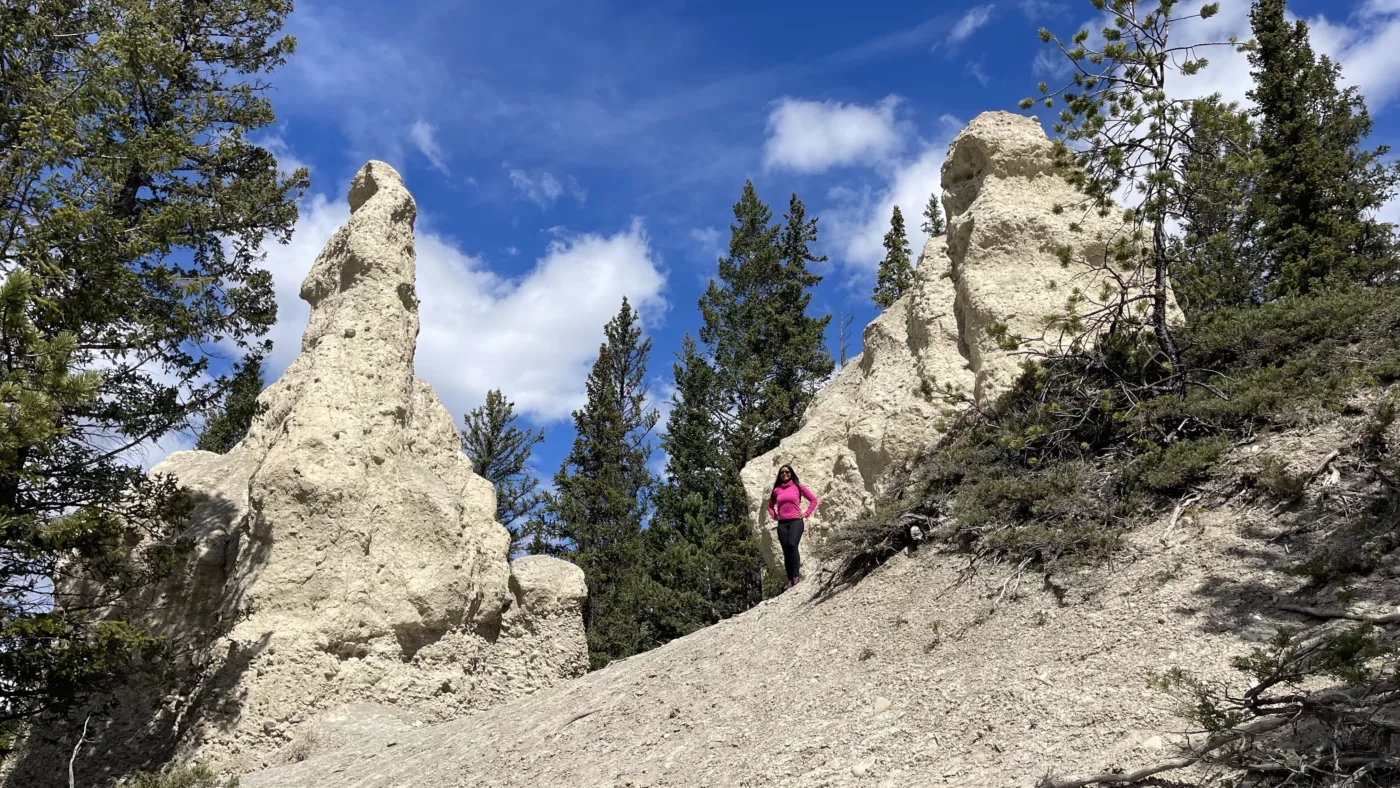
{"points": [[999, 267], [348, 566]]}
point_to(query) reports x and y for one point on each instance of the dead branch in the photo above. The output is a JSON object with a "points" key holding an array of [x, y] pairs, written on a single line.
{"points": [[1215, 742], [1014, 580], [74, 757], [1350, 615], [1176, 515]]}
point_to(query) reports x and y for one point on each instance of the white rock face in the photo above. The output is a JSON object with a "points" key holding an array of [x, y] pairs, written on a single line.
{"points": [[1000, 191], [876, 415], [998, 266], [346, 553]]}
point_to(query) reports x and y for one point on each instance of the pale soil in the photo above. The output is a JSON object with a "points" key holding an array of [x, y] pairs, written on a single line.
{"points": [[788, 694]]}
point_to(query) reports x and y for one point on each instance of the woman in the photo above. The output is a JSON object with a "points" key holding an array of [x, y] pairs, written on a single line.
{"points": [[785, 505]]}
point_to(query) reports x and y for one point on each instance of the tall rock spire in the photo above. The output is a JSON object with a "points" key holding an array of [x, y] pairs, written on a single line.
{"points": [[347, 558], [998, 272]]}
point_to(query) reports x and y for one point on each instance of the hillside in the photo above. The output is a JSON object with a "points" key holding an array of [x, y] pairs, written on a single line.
{"points": [[917, 675]]}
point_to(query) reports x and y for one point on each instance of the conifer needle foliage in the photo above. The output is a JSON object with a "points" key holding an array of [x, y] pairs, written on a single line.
{"points": [[896, 273], [132, 210]]}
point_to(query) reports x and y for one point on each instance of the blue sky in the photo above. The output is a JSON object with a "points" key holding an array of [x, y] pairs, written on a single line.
{"points": [[564, 154]]}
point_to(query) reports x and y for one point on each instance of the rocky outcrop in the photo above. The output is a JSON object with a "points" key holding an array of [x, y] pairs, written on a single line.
{"points": [[346, 554], [923, 674], [877, 414], [1011, 215], [1000, 273]]}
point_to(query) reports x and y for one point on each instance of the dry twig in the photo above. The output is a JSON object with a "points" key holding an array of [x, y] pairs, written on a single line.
{"points": [[1176, 515], [1190, 759]]}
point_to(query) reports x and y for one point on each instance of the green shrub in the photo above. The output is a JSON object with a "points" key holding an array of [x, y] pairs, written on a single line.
{"points": [[1271, 475], [196, 776], [1052, 472], [1177, 466]]}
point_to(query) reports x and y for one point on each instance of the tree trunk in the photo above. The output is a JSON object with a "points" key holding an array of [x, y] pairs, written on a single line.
{"points": [[1159, 296]]}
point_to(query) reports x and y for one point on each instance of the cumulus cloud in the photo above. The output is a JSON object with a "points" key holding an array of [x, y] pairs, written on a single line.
{"points": [[534, 336], [543, 189], [814, 136], [861, 217], [287, 161], [424, 137], [970, 23], [1368, 49]]}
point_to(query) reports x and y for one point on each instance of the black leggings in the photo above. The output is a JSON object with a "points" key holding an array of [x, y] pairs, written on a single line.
{"points": [[789, 534]]}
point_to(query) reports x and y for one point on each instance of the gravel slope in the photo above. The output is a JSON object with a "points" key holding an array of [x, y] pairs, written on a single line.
{"points": [[914, 677]]}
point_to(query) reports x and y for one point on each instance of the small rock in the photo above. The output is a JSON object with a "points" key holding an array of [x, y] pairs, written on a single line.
{"points": [[882, 705], [1154, 744], [861, 769]]}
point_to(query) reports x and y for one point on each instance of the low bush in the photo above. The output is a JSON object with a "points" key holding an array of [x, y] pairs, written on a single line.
{"points": [[1052, 473], [195, 776]]}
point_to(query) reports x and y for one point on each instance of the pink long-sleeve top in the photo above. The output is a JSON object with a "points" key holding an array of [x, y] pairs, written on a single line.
{"points": [[786, 502]]}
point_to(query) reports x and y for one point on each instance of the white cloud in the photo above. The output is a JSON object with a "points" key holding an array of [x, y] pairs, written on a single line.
{"points": [[424, 137], [710, 241], [979, 73], [1367, 46], [858, 223], [534, 337], [1368, 49], [1052, 65], [970, 22], [1039, 9], [813, 136], [1376, 7], [544, 189], [287, 161]]}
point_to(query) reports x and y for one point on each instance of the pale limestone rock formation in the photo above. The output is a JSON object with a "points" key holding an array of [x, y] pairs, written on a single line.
{"points": [[346, 554], [876, 415], [998, 266], [1000, 191]]}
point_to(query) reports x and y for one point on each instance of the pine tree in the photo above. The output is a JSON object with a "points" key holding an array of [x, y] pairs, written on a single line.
{"points": [[934, 225], [1221, 265], [499, 452], [1318, 187], [896, 275], [1125, 125], [603, 491], [224, 428], [804, 363], [768, 355], [137, 207], [700, 546]]}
